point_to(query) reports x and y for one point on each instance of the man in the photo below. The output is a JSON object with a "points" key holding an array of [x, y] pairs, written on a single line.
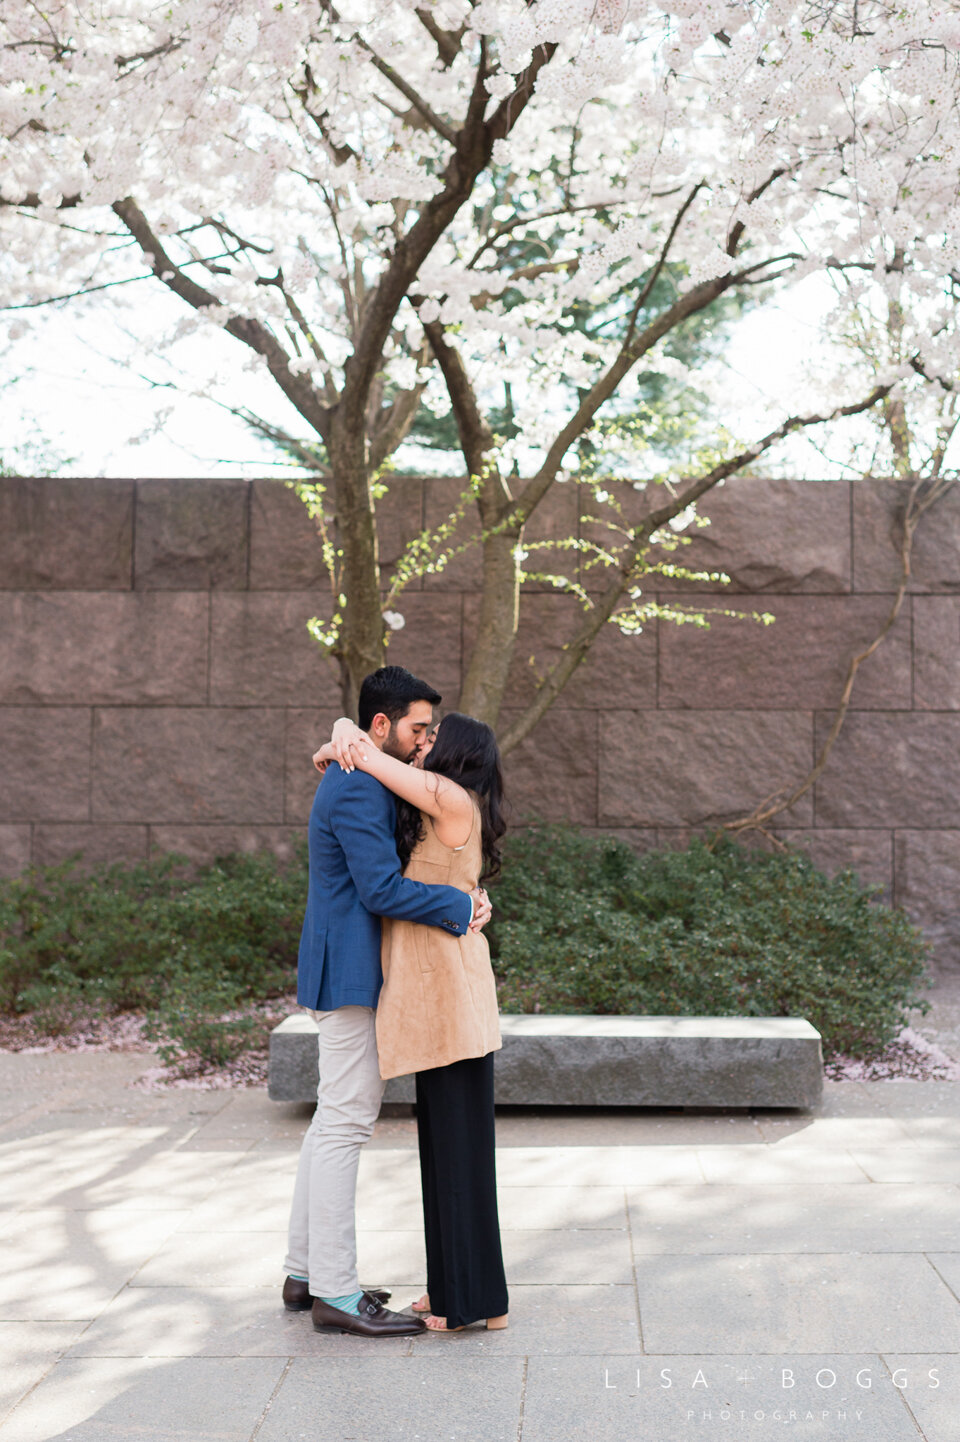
{"points": [[355, 879]]}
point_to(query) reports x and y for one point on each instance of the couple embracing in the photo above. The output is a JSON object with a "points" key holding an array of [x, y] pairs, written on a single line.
{"points": [[395, 969]]}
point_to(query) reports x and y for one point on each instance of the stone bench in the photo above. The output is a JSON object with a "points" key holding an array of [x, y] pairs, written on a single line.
{"points": [[612, 1061]]}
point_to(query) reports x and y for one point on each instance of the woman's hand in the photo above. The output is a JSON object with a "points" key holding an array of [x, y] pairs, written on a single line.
{"points": [[482, 909], [348, 743], [323, 757]]}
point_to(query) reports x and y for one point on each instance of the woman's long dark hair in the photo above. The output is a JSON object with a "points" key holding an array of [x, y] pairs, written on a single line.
{"points": [[466, 750]]}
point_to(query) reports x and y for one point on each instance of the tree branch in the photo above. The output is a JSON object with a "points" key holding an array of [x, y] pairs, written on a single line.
{"points": [[476, 438], [448, 42], [696, 299], [393, 424], [474, 143], [441, 126], [252, 333], [654, 276], [576, 649]]}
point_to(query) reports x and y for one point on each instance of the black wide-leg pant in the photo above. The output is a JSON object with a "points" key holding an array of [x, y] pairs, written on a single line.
{"points": [[455, 1128]]}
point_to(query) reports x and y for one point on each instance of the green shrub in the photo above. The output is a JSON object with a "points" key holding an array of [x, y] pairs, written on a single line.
{"points": [[583, 924], [183, 943]]}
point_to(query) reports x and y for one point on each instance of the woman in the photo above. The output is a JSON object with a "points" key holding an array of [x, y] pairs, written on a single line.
{"points": [[437, 1013]]}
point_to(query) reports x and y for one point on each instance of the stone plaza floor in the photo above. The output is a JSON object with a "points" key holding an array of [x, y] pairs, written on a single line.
{"points": [[673, 1276]]}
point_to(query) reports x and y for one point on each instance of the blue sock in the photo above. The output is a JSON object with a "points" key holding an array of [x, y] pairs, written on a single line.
{"points": [[298, 1276], [349, 1303]]}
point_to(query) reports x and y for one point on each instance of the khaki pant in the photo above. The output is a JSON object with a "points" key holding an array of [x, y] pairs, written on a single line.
{"points": [[323, 1236]]}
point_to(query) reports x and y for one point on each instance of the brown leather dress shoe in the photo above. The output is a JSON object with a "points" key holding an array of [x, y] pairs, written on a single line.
{"points": [[374, 1319], [297, 1298]]}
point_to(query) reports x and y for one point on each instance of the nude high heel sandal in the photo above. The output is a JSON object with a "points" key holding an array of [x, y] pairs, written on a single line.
{"points": [[492, 1324]]}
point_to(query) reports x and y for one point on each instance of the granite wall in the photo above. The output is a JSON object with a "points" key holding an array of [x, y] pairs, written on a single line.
{"points": [[158, 689]]}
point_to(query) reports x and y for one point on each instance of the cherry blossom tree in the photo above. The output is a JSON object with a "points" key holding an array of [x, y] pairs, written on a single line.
{"points": [[462, 204]]}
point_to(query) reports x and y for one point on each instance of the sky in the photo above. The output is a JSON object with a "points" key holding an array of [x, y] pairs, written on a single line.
{"points": [[68, 388]]}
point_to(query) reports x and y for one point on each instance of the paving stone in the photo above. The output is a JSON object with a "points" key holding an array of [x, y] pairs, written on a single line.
{"points": [[891, 769], [709, 766], [563, 1209], [29, 1350], [535, 1256], [396, 1257], [596, 1166], [549, 1320], [910, 1164], [73, 648], [69, 1264], [249, 1112], [203, 1259], [235, 1206], [405, 1402], [674, 1398], [831, 1134], [531, 1256], [936, 1131], [201, 1399], [812, 1218], [127, 1167], [652, 1128], [785, 1302], [161, 1180], [746, 1163], [261, 653], [65, 534], [173, 764], [206, 1321], [738, 662], [935, 563], [908, 1099], [929, 1386], [191, 535], [46, 762]]}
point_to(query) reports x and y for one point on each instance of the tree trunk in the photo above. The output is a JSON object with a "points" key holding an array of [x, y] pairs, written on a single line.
{"points": [[496, 639], [359, 647]]}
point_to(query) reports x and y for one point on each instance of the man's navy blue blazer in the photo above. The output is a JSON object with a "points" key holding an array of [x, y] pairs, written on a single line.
{"points": [[355, 879]]}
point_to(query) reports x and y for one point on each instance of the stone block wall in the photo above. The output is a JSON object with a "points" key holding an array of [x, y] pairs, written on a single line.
{"points": [[159, 690]]}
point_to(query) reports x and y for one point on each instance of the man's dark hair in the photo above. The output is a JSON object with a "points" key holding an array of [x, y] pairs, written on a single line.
{"points": [[392, 690]]}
